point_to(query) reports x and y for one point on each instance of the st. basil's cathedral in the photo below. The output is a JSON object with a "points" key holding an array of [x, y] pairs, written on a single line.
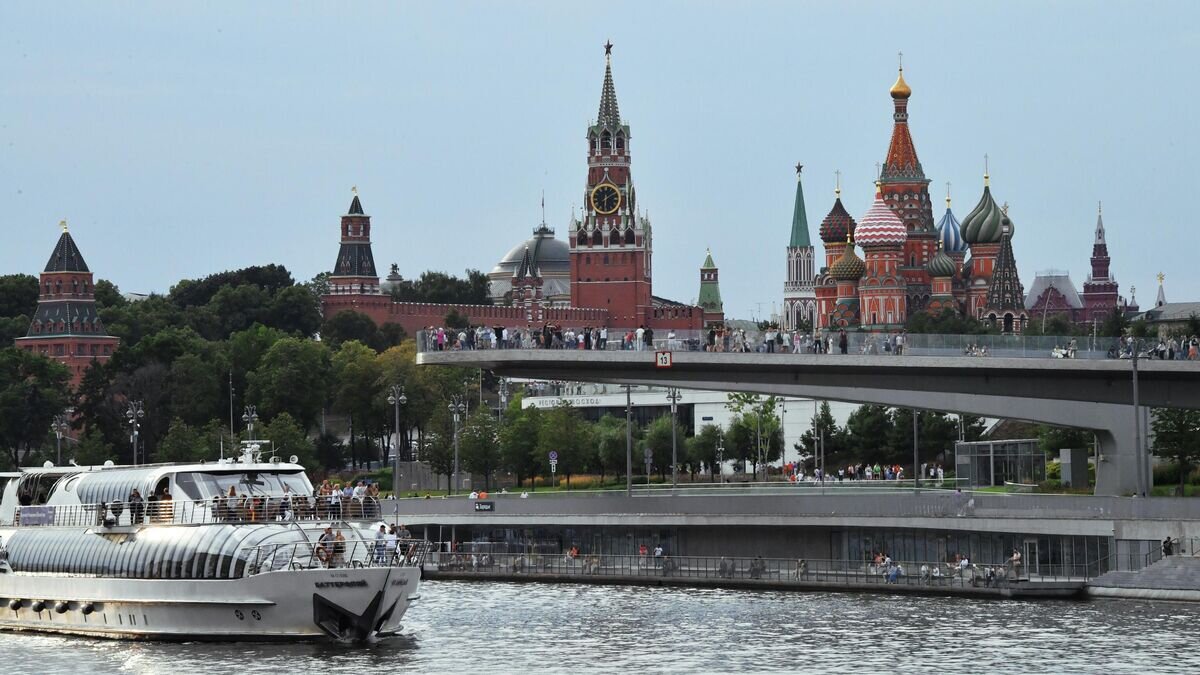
{"points": [[910, 264]]}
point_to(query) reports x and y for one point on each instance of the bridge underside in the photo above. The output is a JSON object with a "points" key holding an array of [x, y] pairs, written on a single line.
{"points": [[1095, 395]]}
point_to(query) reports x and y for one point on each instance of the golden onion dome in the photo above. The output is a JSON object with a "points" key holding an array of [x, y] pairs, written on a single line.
{"points": [[849, 267], [901, 88]]}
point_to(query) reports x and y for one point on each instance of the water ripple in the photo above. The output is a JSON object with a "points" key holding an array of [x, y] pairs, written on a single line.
{"points": [[532, 628]]}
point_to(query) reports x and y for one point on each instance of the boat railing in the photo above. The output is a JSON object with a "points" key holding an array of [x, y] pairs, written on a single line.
{"points": [[241, 509], [335, 554]]}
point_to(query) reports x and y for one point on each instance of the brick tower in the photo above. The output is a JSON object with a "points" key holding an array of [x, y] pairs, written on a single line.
{"points": [[611, 248], [906, 190], [354, 272], [1100, 290], [66, 326]]}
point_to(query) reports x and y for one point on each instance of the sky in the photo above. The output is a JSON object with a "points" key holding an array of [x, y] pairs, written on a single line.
{"points": [[181, 139]]}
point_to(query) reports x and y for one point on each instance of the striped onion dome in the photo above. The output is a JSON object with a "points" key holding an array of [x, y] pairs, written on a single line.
{"points": [[982, 225], [849, 267], [837, 225], [941, 265], [880, 227], [950, 234]]}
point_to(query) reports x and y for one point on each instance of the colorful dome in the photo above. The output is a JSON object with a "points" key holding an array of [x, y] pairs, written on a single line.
{"points": [[880, 226], [849, 267], [941, 265], [901, 88], [949, 232], [837, 225], [982, 225]]}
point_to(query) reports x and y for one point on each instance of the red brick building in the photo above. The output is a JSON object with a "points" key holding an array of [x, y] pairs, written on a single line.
{"points": [[66, 325]]}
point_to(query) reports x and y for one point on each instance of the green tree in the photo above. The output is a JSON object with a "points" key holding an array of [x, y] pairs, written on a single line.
{"points": [[519, 440], [288, 438], [183, 443], [438, 445], [293, 377], [33, 389], [442, 288], [348, 325], [1115, 324], [456, 321], [868, 430], [198, 388], [12, 328], [108, 295], [658, 441], [564, 431], [479, 446], [610, 442], [1177, 437], [18, 295], [296, 311], [93, 450], [237, 308], [702, 449], [1051, 439], [358, 392]]}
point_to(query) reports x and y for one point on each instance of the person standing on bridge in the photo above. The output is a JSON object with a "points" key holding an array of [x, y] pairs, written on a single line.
{"points": [[843, 341]]}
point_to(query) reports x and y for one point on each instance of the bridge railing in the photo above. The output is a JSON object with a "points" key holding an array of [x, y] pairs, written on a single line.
{"points": [[831, 571], [913, 344]]}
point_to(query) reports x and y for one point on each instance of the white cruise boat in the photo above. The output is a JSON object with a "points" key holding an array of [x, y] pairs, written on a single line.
{"points": [[78, 556]]}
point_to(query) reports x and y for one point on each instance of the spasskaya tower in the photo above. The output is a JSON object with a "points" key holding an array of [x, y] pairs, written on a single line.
{"points": [[611, 247]]}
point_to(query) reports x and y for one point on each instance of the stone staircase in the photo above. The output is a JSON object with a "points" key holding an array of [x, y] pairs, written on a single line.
{"points": [[1174, 577]]}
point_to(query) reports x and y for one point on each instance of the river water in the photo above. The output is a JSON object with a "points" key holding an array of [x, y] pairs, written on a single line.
{"points": [[467, 627]]}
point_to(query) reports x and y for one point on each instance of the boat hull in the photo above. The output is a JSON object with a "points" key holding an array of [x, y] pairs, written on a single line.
{"points": [[352, 604]]}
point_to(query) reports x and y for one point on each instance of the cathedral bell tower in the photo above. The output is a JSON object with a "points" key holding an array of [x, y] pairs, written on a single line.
{"points": [[611, 246]]}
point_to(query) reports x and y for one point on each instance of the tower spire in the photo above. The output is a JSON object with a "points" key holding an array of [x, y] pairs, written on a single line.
{"points": [[947, 195], [799, 215], [837, 184], [608, 116]]}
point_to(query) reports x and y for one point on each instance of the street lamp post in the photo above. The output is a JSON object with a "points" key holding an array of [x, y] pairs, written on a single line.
{"points": [[503, 397], [1143, 480], [721, 459], [250, 416], [458, 408], [60, 426], [916, 455], [397, 398], [133, 416], [628, 441], [673, 396]]}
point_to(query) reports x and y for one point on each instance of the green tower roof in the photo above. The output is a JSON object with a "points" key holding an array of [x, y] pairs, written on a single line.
{"points": [[799, 217], [710, 290]]}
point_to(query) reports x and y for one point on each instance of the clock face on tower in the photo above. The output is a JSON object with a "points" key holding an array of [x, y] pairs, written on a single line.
{"points": [[606, 198]]}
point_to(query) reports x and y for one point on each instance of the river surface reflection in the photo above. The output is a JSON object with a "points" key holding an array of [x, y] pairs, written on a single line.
{"points": [[531, 628]]}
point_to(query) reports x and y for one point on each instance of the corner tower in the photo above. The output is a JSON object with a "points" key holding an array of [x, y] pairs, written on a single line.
{"points": [[354, 272], [799, 296], [611, 246], [905, 190], [66, 326]]}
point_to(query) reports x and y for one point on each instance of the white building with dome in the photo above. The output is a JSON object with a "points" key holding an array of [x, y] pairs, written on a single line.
{"points": [[549, 256]]}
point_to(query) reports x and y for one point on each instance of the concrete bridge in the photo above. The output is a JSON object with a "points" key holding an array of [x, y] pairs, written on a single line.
{"points": [[1091, 394]]}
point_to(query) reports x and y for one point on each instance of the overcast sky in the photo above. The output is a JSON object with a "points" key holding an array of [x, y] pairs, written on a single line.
{"points": [[180, 139]]}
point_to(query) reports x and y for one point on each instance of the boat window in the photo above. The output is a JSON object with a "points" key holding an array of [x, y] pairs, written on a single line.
{"points": [[186, 487], [204, 485]]}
